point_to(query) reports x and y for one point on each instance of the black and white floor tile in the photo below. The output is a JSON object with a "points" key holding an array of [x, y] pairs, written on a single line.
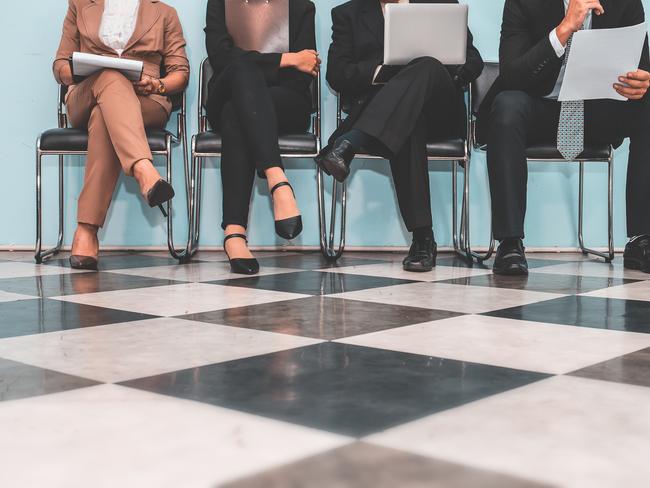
{"points": [[314, 374]]}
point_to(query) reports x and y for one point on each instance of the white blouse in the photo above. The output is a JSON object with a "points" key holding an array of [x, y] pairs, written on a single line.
{"points": [[118, 23]]}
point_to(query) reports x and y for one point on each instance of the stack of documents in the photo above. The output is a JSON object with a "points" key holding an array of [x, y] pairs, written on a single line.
{"points": [[84, 65]]}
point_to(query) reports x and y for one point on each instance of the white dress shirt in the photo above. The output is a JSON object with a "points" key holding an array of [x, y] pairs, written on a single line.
{"points": [[559, 51], [118, 23]]}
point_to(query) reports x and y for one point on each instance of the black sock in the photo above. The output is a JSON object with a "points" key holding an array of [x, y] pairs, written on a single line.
{"points": [[359, 140], [422, 233]]}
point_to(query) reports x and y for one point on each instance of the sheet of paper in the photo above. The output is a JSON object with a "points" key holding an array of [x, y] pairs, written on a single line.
{"points": [[596, 60], [84, 64]]}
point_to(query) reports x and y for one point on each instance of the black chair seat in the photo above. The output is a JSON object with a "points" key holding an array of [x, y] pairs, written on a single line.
{"points": [[451, 149], [77, 140], [211, 143], [549, 151]]}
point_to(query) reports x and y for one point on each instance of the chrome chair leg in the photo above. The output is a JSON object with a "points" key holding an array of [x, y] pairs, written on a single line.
{"points": [[609, 255], [183, 255], [39, 254], [197, 163], [327, 235]]}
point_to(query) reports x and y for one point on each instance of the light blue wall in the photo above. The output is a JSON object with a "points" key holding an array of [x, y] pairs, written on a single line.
{"points": [[30, 31]]}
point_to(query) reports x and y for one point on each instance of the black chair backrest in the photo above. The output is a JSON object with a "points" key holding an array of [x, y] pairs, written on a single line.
{"points": [[208, 72], [482, 85]]}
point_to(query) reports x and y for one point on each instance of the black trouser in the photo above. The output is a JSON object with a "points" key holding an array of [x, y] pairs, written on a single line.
{"points": [[418, 104], [250, 121], [518, 119]]}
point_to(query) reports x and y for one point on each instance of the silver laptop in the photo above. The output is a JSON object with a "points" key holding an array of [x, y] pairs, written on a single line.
{"points": [[424, 29]]}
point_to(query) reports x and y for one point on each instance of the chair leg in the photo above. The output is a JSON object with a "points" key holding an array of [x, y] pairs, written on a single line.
{"points": [[327, 236], [197, 164], [609, 255], [39, 254]]}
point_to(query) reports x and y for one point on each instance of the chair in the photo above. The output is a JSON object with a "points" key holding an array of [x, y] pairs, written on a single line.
{"points": [[455, 150], [208, 143], [66, 141], [603, 153]]}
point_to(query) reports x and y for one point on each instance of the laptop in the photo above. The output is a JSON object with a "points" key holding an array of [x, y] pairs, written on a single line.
{"points": [[424, 29]]}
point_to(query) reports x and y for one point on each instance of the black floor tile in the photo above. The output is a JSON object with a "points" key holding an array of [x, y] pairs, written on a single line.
{"points": [[311, 261], [367, 465], [313, 282], [633, 369], [78, 283], [321, 317], [550, 283], [111, 261], [339, 388], [581, 311], [27, 317], [18, 380]]}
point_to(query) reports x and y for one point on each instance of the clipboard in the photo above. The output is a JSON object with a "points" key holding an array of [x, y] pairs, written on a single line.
{"points": [[259, 25]]}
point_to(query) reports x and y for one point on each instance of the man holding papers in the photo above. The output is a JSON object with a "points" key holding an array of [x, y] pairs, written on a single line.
{"points": [[523, 108], [394, 120]]}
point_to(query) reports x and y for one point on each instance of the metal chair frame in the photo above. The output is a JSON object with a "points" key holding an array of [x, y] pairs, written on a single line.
{"points": [[198, 158], [461, 239], [181, 254], [607, 256]]}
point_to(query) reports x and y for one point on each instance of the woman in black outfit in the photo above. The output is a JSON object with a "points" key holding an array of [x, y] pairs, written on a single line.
{"points": [[253, 97]]}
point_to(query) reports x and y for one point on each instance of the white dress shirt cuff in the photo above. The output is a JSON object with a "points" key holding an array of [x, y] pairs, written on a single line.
{"points": [[374, 77], [557, 45]]}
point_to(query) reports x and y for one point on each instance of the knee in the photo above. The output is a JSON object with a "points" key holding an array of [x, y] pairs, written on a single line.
{"points": [[510, 109], [243, 69], [428, 64], [112, 77]]}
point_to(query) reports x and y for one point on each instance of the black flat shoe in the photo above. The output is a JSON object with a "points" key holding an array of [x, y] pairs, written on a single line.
{"points": [[637, 254], [245, 266], [87, 263], [422, 256], [335, 159], [511, 259], [161, 192], [287, 228]]}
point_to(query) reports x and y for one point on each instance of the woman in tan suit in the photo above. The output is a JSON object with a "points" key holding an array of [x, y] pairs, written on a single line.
{"points": [[115, 110]]}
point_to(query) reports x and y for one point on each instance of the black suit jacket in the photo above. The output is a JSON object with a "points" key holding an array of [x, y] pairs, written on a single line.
{"points": [[527, 59], [358, 48], [222, 50]]}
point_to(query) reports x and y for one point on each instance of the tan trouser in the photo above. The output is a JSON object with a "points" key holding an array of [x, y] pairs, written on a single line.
{"points": [[116, 117]]}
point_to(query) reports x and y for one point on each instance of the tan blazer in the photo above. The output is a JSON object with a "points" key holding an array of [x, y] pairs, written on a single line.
{"points": [[158, 39]]}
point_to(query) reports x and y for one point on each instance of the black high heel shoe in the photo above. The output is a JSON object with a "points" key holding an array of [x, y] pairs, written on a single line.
{"points": [[287, 228], [87, 263], [245, 266], [161, 192]]}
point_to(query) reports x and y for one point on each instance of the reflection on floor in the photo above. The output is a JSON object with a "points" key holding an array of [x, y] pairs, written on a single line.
{"points": [[151, 374]]}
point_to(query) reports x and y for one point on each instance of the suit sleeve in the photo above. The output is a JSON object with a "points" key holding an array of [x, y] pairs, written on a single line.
{"points": [[69, 41], [473, 67], [175, 57], [633, 16], [221, 47], [344, 72], [525, 62]]}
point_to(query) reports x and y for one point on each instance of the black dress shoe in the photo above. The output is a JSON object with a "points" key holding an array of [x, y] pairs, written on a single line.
{"points": [[422, 255], [511, 258], [637, 254], [87, 263], [336, 158], [245, 266], [161, 192], [287, 228]]}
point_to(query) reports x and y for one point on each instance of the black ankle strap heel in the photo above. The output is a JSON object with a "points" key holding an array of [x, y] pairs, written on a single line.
{"points": [[245, 266]]}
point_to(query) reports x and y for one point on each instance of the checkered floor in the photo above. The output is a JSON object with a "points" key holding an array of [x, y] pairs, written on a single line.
{"points": [[150, 374]]}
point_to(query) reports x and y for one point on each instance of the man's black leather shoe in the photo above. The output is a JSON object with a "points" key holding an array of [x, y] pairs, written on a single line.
{"points": [[637, 254], [511, 258], [335, 159], [422, 255]]}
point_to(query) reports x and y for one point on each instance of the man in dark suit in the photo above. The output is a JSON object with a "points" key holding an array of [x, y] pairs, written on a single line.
{"points": [[522, 108], [424, 101]]}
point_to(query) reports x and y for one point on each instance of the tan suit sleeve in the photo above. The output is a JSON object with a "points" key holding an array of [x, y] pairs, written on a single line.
{"points": [[69, 40], [175, 57]]}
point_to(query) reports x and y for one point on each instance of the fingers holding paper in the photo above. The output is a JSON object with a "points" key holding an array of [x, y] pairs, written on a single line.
{"points": [[146, 86], [633, 85]]}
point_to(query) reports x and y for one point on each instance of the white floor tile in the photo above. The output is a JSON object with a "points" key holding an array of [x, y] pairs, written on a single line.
{"points": [[22, 270], [395, 270], [13, 297], [109, 436], [570, 432], [631, 291], [594, 268], [182, 299], [131, 350], [454, 298], [518, 344]]}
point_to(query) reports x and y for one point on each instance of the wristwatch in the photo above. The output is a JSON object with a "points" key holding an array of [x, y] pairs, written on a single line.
{"points": [[162, 89]]}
